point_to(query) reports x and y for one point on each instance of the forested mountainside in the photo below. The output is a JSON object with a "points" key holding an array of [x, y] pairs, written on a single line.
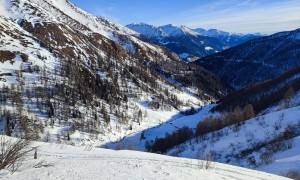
{"points": [[88, 83], [264, 94], [257, 60], [256, 127], [188, 43], [66, 74]]}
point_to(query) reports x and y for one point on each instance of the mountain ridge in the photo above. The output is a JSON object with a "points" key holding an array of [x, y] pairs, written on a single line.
{"points": [[186, 42]]}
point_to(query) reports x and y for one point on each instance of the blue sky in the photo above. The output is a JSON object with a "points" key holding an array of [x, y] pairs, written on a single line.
{"points": [[265, 16]]}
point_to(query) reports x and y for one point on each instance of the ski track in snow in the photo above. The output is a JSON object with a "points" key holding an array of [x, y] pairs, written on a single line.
{"points": [[75, 163]]}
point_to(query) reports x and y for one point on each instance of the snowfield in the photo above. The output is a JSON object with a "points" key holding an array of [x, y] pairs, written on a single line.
{"points": [[71, 162]]}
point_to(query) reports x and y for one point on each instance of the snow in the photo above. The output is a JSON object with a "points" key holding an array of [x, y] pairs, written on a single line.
{"points": [[174, 123], [3, 11], [216, 33], [285, 161], [184, 55], [147, 30], [69, 162], [18, 40], [253, 131], [161, 31], [173, 30], [61, 11], [207, 48], [297, 36]]}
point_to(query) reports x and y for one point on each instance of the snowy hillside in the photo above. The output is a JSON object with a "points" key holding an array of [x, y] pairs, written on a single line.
{"points": [[137, 141], [66, 75], [69, 162], [267, 142]]}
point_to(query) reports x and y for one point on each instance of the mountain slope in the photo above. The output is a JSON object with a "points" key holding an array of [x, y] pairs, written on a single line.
{"points": [[66, 75], [256, 60], [69, 162], [262, 95], [228, 39], [256, 143]]}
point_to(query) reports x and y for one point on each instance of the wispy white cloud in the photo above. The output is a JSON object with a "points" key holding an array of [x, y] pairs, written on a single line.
{"points": [[241, 16]]}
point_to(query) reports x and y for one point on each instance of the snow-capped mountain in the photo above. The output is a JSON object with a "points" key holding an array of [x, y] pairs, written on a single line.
{"points": [[228, 39], [69, 76], [185, 42], [173, 30], [257, 60], [147, 30], [188, 43]]}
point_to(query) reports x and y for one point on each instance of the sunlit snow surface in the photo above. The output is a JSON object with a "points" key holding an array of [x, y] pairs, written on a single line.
{"points": [[78, 163]]}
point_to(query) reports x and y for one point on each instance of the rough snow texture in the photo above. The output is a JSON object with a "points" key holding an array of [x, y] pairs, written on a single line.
{"points": [[83, 163]]}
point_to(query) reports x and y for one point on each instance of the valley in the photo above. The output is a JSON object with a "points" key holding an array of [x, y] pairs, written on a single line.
{"points": [[92, 98]]}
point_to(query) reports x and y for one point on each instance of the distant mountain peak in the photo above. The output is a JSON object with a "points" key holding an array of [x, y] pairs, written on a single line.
{"points": [[174, 30], [189, 43], [146, 29]]}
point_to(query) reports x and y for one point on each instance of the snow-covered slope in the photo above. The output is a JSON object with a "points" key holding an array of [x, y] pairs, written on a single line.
{"points": [[137, 141], [260, 143], [60, 11], [147, 30], [70, 162], [173, 30], [66, 75]]}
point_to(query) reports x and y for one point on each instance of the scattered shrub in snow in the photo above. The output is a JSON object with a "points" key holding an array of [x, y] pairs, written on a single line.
{"points": [[267, 157], [12, 153], [293, 174], [206, 161]]}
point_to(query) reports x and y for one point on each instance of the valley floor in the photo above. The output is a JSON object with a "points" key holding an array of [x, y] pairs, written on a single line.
{"points": [[71, 162]]}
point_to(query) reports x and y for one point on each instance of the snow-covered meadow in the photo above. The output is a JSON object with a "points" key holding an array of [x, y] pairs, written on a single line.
{"points": [[69, 162]]}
